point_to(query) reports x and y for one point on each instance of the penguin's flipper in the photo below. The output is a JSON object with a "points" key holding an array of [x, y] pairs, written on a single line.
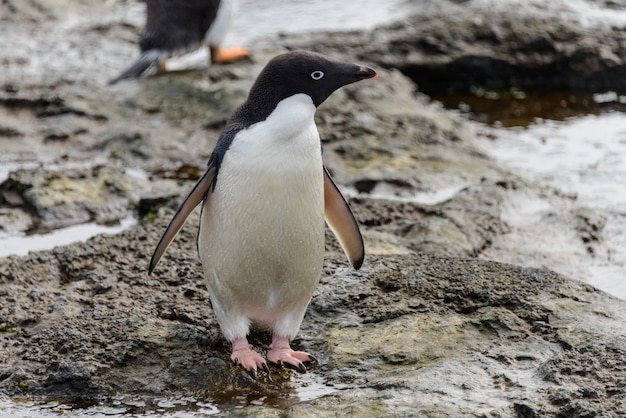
{"points": [[194, 198], [341, 221]]}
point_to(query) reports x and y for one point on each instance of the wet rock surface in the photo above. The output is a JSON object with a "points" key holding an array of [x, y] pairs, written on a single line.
{"points": [[426, 327], [454, 46], [57, 199], [407, 333]]}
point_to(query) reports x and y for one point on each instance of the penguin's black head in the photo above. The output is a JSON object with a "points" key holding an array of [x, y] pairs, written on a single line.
{"points": [[305, 72]]}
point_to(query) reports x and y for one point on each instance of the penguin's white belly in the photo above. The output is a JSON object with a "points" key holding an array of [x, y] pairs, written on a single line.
{"points": [[261, 237]]}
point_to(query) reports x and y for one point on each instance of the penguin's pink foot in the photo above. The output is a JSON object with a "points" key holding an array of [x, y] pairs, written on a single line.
{"points": [[244, 356], [224, 56], [282, 354]]}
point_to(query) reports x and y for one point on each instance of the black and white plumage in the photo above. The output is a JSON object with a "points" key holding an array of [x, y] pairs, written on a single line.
{"points": [[175, 27], [265, 196]]}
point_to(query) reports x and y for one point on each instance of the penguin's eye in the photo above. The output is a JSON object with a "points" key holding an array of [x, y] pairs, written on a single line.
{"points": [[317, 75]]}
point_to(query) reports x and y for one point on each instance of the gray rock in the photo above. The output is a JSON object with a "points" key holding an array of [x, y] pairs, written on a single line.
{"points": [[58, 199], [453, 46], [407, 333]]}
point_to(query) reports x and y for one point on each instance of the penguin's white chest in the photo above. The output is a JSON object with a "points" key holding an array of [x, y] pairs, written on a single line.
{"points": [[261, 239]]}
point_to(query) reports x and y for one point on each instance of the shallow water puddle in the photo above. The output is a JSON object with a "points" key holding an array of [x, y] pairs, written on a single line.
{"points": [[22, 245], [422, 198], [514, 107], [135, 407], [299, 388]]}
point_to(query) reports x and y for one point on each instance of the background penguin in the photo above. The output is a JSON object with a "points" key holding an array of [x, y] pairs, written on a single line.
{"points": [[265, 196], [175, 27]]}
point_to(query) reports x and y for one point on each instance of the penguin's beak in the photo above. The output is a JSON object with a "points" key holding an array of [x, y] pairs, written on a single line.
{"points": [[366, 72]]}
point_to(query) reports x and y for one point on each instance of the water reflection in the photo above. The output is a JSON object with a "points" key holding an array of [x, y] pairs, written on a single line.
{"points": [[514, 107], [282, 391]]}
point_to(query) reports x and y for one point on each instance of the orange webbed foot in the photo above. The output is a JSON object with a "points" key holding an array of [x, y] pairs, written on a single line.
{"points": [[225, 56]]}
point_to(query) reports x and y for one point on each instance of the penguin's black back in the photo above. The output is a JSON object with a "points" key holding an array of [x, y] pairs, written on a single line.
{"points": [[173, 25]]}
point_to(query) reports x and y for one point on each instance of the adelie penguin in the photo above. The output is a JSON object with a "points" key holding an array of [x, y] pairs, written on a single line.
{"points": [[175, 27], [264, 198]]}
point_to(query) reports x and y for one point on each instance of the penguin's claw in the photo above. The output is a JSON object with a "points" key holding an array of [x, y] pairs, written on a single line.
{"points": [[291, 363], [244, 356], [281, 353], [265, 367]]}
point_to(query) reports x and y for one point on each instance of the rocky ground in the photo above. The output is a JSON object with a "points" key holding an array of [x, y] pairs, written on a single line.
{"points": [[424, 328]]}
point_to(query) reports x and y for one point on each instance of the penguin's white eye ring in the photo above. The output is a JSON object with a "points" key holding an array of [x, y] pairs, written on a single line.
{"points": [[317, 75]]}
